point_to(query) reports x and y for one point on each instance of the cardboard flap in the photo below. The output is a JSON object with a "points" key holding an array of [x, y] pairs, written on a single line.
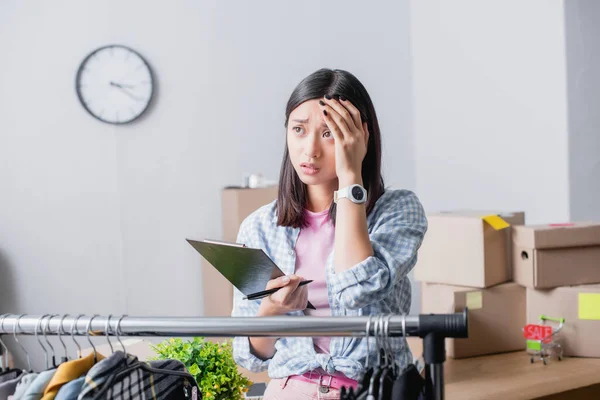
{"points": [[557, 235]]}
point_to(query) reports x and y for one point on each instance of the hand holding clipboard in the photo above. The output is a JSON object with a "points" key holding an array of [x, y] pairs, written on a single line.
{"points": [[248, 269]]}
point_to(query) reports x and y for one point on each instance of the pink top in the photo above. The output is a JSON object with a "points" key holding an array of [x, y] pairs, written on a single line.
{"points": [[313, 247]]}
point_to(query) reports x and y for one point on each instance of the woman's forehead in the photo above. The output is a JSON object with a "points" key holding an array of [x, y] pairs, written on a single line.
{"points": [[308, 112]]}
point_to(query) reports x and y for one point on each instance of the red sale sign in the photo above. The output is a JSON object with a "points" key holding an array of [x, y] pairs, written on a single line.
{"points": [[537, 332]]}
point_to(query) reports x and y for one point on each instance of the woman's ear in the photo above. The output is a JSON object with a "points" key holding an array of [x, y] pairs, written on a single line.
{"points": [[366, 131]]}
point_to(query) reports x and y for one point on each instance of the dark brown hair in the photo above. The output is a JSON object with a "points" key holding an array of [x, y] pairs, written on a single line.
{"points": [[291, 200]]}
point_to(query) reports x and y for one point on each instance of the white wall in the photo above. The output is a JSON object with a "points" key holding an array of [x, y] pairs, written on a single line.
{"points": [[490, 106], [582, 30], [93, 217]]}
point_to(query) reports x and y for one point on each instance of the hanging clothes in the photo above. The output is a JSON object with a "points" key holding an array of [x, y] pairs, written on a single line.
{"points": [[8, 386], [127, 382], [38, 386], [10, 374], [379, 383], [71, 390], [23, 385], [68, 371], [100, 373]]}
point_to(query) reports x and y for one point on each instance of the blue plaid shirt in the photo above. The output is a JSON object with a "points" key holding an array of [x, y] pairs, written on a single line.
{"points": [[377, 285]]}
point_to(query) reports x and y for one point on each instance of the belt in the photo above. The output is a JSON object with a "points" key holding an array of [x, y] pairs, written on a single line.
{"points": [[326, 381]]}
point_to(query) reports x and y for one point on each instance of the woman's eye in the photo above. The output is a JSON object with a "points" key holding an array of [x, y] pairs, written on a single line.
{"points": [[297, 129], [327, 134]]}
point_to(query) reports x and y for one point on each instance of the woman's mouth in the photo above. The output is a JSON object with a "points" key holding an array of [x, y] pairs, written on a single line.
{"points": [[309, 169]]}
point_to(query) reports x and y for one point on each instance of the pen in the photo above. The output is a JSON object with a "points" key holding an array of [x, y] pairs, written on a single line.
{"points": [[265, 293]]}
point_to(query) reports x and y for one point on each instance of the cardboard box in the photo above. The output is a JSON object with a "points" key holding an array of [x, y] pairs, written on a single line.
{"points": [[497, 316], [580, 306], [547, 256], [467, 248]]}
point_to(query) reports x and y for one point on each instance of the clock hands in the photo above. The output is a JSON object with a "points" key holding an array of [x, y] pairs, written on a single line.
{"points": [[121, 85], [124, 89]]}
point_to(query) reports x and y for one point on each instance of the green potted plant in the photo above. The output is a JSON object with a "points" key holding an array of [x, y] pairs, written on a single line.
{"points": [[210, 363]]}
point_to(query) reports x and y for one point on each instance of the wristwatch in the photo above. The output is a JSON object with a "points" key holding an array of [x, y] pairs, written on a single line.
{"points": [[355, 193]]}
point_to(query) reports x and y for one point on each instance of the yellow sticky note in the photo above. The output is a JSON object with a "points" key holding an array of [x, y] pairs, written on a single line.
{"points": [[496, 222], [589, 306], [475, 300]]}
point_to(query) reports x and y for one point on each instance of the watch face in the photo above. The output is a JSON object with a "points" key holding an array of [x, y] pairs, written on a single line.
{"points": [[115, 84], [357, 193]]}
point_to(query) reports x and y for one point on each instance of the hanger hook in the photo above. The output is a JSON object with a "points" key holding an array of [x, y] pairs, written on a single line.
{"points": [[17, 324], [5, 354], [107, 332], [382, 340], [73, 327], [377, 341], [87, 331], [35, 332], [47, 328], [388, 340], [118, 332], [368, 335], [61, 331]]}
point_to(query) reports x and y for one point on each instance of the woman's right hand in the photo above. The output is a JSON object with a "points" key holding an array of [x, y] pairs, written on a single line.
{"points": [[289, 298]]}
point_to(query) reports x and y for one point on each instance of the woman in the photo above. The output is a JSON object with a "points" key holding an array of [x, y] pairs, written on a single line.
{"points": [[358, 248]]}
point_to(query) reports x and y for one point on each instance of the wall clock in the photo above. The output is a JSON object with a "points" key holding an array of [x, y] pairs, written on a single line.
{"points": [[115, 84]]}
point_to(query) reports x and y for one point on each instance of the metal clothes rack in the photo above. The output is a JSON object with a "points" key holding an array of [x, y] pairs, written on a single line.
{"points": [[432, 328]]}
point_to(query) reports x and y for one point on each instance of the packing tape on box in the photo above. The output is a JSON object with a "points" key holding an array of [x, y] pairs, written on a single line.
{"points": [[496, 222], [589, 306], [474, 300]]}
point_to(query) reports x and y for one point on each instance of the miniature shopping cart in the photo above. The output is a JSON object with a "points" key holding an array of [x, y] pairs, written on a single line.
{"points": [[543, 340]]}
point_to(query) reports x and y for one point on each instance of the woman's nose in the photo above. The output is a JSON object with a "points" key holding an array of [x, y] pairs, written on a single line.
{"points": [[313, 148]]}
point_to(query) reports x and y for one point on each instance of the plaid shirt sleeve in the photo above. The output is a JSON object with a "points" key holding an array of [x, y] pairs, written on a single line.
{"points": [[396, 236], [242, 353]]}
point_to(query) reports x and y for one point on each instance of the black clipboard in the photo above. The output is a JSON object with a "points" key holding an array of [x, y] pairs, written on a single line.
{"points": [[247, 269]]}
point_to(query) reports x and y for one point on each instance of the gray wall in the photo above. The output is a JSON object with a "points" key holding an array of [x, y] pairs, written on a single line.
{"points": [[582, 30], [490, 106], [93, 217]]}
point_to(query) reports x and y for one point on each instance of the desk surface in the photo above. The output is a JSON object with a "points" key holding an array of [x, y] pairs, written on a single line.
{"points": [[512, 376]]}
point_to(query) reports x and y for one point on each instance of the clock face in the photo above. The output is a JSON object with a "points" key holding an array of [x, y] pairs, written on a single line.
{"points": [[115, 84]]}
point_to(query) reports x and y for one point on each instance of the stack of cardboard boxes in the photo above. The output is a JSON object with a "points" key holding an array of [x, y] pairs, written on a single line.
{"points": [[560, 266], [509, 274]]}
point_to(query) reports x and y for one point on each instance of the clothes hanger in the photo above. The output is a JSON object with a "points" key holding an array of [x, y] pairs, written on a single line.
{"points": [[128, 361], [44, 328], [374, 382], [5, 353], [14, 371], [35, 332], [17, 324], [73, 327], [106, 332], [60, 331], [386, 381], [87, 329], [118, 333]]}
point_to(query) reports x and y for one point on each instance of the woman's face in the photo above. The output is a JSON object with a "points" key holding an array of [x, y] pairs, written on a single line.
{"points": [[310, 144]]}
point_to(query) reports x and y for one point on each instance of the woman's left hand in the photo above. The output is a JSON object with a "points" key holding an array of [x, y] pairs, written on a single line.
{"points": [[351, 137]]}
